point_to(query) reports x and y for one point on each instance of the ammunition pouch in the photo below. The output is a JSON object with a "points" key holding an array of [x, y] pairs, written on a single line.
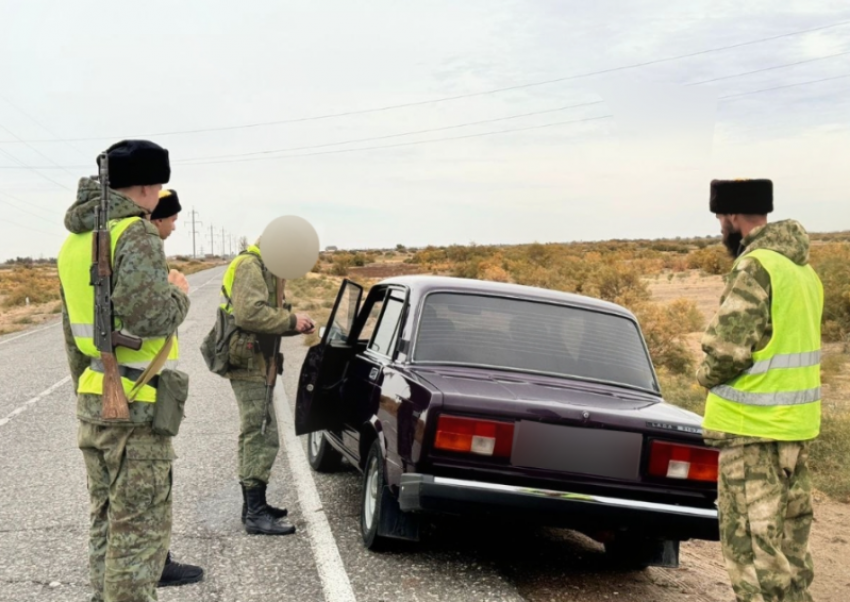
{"points": [[171, 395]]}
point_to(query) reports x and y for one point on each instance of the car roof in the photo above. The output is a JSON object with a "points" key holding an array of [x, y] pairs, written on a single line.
{"points": [[424, 284]]}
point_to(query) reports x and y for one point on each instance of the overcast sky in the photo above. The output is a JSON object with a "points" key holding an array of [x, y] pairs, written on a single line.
{"points": [[77, 76]]}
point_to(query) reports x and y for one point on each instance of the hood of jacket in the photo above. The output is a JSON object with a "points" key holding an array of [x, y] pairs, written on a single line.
{"points": [[80, 216], [787, 237]]}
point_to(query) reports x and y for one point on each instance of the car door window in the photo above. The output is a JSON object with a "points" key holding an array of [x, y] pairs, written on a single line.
{"points": [[371, 321], [344, 313], [385, 334]]}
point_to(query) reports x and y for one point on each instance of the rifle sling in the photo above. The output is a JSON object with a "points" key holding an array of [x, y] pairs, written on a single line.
{"points": [[149, 376], [131, 373], [152, 371]]}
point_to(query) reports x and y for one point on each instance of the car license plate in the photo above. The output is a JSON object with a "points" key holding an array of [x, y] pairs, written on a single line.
{"points": [[605, 453]]}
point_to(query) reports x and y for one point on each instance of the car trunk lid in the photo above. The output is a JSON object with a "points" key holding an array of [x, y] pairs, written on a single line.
{"points": [[562, 425]]}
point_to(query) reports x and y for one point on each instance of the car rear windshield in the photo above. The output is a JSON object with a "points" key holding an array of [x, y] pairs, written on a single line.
{"points": [[515, 334]]}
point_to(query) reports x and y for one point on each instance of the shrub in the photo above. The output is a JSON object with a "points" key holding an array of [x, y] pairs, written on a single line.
{"points": [[832, 263], [712, 260], [665, 328]]}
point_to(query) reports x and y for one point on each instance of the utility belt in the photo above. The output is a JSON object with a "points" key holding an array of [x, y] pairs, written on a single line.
{"points": [[131, 373]]}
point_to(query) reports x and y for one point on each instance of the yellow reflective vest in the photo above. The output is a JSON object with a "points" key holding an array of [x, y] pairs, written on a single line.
{"points": [[74, 263], [779, 396], [230, 275]]}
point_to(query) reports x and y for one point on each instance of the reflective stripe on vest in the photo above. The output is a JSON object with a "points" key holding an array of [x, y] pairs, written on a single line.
{"points": [[74, 263], [779, 396], [230, 274]]}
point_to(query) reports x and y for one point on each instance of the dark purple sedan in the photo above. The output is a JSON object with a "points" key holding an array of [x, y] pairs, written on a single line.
{"points": [[468, 397]]}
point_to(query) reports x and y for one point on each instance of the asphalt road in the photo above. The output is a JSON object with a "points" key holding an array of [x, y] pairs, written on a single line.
{"points": [[43, 507]]}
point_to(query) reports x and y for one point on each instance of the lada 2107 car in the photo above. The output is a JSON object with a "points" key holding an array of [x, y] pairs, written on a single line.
{"points": [[468, 397]]}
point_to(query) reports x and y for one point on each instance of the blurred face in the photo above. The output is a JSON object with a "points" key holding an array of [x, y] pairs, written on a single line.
{"points": [[730, 228], [165, 226]]}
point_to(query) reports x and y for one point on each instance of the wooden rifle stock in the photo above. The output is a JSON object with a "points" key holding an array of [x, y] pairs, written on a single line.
{"points": [[115, 404]]}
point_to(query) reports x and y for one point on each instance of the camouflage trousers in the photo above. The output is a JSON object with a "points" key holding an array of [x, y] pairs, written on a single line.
{"points": [[765, 512], [129, 483], [257, 451]]}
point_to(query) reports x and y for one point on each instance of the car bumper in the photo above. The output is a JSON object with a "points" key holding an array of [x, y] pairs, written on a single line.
{"points": [[427, 493]]}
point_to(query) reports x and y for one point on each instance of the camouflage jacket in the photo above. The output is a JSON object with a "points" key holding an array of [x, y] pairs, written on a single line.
{"points": [[257, 318], [143, 300], [742, 325]]}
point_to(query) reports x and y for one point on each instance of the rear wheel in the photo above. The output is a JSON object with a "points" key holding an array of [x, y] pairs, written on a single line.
{"points": [[321, 454], [376, 501]]}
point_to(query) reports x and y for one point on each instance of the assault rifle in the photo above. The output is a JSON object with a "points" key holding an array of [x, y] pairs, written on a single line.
{"points": [[106, 339], [274, 364]]}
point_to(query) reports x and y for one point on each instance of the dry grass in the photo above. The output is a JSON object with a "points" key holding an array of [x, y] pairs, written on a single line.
{"points": [[654, 278], [28, 285], [193, 265], [29, 293]]}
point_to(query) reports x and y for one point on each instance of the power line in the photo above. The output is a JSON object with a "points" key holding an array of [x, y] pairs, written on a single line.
{"points": [[5, 221], [483, 121], [773, 68], [458, 96], [817, 81], [248, 157], [34, 149], [34, 169], [39, 124], [505, 131], [41, 217], [31, 205], [253, 156]]}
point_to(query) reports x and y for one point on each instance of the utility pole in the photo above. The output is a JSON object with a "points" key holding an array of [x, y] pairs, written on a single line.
{"points": [[212, 241], [194, 231], [223, 252]]}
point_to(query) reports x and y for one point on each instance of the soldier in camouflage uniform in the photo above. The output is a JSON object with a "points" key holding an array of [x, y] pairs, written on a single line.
{"points": [[252, 299], [764, 488], [128, 465]]}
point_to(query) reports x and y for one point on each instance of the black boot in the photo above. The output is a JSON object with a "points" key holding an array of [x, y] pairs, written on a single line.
{"points": [[175, 573], [258, 520], [275, 512]]}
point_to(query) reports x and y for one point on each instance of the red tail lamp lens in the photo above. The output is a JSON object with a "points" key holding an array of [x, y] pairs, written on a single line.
{"points": [[469, 435], [687, 462]]}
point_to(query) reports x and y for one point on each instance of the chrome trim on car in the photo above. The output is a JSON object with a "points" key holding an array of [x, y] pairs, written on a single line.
{"points": [[411, 479]]}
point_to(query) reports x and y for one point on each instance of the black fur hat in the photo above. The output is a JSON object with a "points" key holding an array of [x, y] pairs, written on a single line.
{"points": [[751, 197], [137, 163], [168, 205]]}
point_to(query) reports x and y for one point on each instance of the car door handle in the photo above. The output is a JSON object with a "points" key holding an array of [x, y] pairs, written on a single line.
{"points": [[373, 373]]}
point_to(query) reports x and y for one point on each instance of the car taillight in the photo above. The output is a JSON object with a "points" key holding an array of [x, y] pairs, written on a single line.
{"points": [[469, 435], [677, 461]]}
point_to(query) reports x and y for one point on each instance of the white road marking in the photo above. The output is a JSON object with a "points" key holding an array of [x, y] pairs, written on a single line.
{"points": [[21, 408], [29, 332], [335, 583], [27, 404]]}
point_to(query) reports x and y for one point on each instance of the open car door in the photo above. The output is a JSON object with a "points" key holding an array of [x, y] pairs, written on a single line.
{"points": [[317, 404]]}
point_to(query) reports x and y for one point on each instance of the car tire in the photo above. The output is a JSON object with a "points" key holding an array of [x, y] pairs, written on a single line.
{"points": [[321, 454], [376, 500]]}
